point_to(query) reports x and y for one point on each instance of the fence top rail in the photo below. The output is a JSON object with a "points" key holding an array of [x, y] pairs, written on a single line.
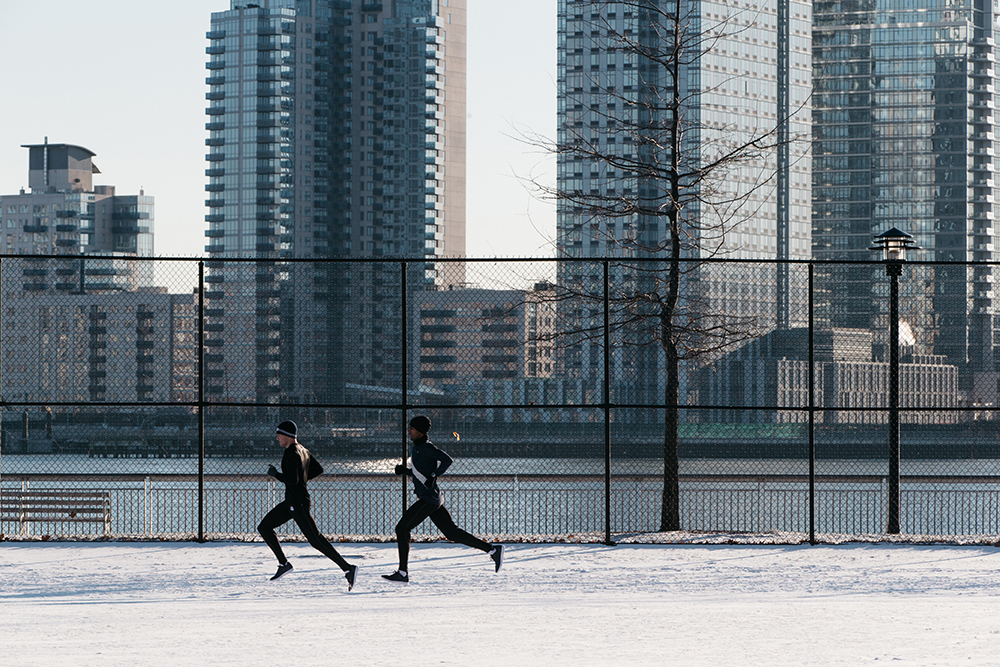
{"points": [[494, 477], [494, 260]]}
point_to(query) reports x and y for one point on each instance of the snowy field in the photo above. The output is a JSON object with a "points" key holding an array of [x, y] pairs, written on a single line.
{"points": [[212, 604]]}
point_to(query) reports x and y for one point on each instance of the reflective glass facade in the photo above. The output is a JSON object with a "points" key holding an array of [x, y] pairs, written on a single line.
{"points": [[903, 127], [744, 73]]}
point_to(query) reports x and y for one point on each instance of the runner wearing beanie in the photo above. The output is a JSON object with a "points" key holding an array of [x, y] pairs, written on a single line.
{"points": [[297, 467], [427, 464]]}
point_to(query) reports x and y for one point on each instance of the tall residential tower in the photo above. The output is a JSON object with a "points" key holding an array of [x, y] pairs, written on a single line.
{"points": [[745, 72], [337, 130]]}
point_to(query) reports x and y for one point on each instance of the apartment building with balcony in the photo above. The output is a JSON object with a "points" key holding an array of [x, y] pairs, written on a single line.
{"points": [[82, 319], [63, 213], [336, 130], [486, 346], [743, 72]]}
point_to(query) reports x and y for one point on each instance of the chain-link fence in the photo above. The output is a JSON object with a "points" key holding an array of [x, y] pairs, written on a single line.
{"points": [[579, 399]]}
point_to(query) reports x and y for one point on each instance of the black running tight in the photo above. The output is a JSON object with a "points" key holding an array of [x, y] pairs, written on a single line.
{"points": [[281, 514], [415, 515]]}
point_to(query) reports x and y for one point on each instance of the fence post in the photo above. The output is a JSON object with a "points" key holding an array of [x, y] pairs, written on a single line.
{"points": [[2, 401], [607, 411], [201, 401], [812, 414], [404, 356], [894, 269]]}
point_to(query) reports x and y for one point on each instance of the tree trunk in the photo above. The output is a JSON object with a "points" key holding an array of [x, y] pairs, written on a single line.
{"points": [[670, 511]]}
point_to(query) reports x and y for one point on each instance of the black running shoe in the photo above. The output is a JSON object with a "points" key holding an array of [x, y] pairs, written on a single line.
{"points": [[352, 575], [396, 576], [282, 569], [497, 556]]}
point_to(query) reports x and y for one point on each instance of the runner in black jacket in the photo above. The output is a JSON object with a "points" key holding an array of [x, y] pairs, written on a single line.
{"points": [[297, 467], [427, 464]]}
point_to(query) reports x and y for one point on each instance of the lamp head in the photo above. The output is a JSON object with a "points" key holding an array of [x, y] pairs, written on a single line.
{"points": [[893, 245]]}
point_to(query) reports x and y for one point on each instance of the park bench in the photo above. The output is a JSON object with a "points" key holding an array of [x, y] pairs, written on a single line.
{"points": [[30, 506]]}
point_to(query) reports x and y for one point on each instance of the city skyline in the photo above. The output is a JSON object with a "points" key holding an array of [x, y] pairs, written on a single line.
{"points": [[138, 101]]}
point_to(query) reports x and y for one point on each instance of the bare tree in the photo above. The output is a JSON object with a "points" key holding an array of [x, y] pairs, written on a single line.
{"points": [[674, 186]]}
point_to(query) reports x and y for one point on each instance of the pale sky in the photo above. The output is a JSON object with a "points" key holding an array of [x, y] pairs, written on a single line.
{"points": [[126, 79]]}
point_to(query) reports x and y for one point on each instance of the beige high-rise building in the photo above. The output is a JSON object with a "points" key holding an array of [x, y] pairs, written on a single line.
{"points": [[82, 318], [64, 213]]}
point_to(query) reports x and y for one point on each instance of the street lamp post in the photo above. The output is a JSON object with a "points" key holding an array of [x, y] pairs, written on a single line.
{"points": [[893, 245]]}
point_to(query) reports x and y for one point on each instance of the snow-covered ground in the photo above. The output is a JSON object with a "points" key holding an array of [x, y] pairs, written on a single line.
{"points": [[155, 604]]}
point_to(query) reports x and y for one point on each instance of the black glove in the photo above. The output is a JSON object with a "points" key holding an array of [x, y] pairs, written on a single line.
{"points": [[431, 479], [272, 471], [400, 469]]}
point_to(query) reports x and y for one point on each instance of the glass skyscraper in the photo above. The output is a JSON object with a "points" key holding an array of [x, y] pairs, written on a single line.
{"points": [[755, 75], [337, 129], [903, 120]]}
